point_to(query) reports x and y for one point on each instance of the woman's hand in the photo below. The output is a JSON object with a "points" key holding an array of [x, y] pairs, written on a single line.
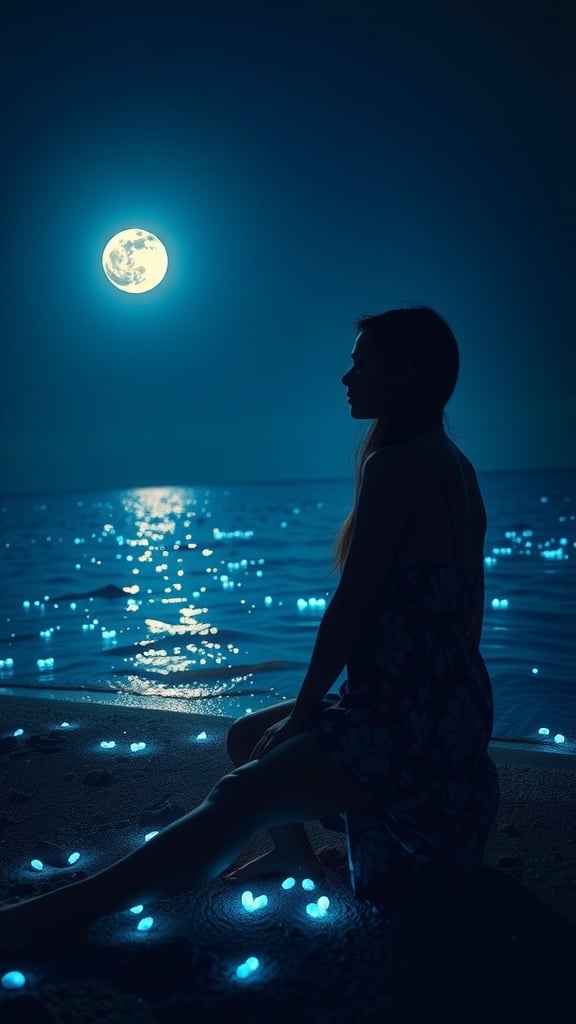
{"points": [[285, 729]]}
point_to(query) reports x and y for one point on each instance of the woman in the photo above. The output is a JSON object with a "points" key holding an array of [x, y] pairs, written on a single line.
{"points": [[401, 752]]}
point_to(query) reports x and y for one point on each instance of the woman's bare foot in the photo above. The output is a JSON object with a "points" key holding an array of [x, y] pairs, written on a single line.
{"points": [[276, 862]]}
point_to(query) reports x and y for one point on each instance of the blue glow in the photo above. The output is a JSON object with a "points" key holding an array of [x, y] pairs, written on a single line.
{"points": [[323, 903], [248, 967], [18, 732], [145, 924], [201, 736], [308, 884], [64, 725], [250, 904], [13, 979], [543, 731], [150, 835], [559, 738], [73, 858], [137, 746], [138, 909], [108, 744], [37, 865], [289, 883]]}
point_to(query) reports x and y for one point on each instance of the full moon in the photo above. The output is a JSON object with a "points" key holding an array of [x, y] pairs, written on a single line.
{"points": [[135, 260]]}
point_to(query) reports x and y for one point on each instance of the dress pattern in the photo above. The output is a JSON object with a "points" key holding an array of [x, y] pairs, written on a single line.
{"points": [[412, 723]]}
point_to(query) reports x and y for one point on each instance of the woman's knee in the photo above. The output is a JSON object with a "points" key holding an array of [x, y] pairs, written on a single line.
{"points": [[244, 733]]}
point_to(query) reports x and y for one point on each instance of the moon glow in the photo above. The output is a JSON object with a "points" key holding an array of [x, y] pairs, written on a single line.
{"points": [[135, 260]]}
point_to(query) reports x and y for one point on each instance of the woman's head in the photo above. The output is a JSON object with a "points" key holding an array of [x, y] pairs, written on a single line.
{"points": [[406, 364], [405, 369]]}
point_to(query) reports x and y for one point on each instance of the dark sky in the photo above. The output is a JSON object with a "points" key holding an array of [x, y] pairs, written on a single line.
{"points": [[304, 163]]}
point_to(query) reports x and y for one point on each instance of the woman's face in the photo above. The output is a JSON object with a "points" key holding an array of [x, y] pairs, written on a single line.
{"points": [[372, 387]]}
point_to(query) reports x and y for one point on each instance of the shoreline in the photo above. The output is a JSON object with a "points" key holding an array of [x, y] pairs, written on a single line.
{"points": [[61, 792]]}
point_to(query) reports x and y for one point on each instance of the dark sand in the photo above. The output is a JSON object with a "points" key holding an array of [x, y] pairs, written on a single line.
{"points": [[504, 952]]}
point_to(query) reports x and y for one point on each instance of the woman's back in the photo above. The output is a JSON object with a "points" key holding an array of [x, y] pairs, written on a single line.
{"points": [[448, 524]]}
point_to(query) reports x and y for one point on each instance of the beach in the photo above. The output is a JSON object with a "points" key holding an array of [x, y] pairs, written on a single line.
{"points": [[503, 949]]}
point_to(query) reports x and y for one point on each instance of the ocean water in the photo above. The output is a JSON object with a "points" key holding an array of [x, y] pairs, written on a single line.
{"points": [[208, 599]]}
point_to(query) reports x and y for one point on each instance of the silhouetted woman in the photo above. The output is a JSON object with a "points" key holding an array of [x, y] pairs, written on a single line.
{"points": [[401, 752]]}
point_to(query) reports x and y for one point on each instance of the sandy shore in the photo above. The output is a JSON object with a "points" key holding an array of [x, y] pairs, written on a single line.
{"points": [[501, 952]]}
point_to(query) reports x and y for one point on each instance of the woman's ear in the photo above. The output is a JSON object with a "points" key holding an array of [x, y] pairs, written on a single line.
{"points": [[404, 373]]}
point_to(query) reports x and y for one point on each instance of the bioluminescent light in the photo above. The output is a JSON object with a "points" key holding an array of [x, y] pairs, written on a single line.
{"points": [[251, 904], [135, 260], [137, 746], [289, 883], [319, 908], [138, 909], [308, 884], [108, 744], [150, 835], [18, 732], [201, 736], [13, 979], [145, 924], [248, 967], [37, 865], [73, 858]]}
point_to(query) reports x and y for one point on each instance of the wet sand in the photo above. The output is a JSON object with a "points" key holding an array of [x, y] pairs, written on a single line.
{"points": [[505, 949]]}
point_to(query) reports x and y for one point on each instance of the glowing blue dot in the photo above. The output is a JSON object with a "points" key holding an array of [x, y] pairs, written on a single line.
{"points": [[267, 601], [37, 865], [253, 962], [534, 671], [137, 746], [543, 731], [323, 903], [19, 732], [247, 900], [201, 736], [64, 725], [26, 604], [259, 902], [289, 883], [559, 738], [243, 971], [108, 744], [138, 909], [145, 924], [313, 910], [308, 884], [150, 835], [73, 858], [13, 979]]}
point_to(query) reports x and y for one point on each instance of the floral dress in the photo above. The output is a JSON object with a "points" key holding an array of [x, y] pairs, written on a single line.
{"points": [[412, 722]]}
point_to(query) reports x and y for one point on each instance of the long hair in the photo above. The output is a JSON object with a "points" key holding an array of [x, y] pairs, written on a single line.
{"points": [[421, 334]]}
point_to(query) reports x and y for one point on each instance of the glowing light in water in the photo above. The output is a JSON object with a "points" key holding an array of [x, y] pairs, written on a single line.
{"points": [[73, 858], [108, 744], [308, 884], [138, 909], [201, 736], [145, 924], [37, 865], [289, 883]]}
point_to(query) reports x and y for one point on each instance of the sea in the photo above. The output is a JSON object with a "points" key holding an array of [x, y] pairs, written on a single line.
{"points": [[207, 599]]}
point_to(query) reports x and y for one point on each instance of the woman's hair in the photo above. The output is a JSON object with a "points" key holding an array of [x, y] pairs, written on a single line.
{"points": [[414, 333]]}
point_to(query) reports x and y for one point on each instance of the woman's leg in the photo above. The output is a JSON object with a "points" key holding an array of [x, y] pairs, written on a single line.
{"points": [[294, 782], [292, 852]]}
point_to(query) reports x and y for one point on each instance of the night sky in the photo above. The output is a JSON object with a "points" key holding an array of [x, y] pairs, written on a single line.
{"points": [[304, 164]]}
